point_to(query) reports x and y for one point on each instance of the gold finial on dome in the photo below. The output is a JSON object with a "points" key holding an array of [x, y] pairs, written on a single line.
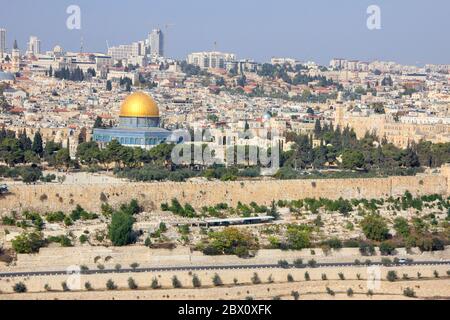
{"points": [[139, 105]]}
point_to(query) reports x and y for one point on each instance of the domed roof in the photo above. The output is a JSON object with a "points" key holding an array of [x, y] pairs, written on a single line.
{"points": [[6, 76], [139, 105], [267, 116], [58, 49]]}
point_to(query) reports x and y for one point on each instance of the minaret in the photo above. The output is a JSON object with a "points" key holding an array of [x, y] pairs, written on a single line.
{"points": [[339, 111]]}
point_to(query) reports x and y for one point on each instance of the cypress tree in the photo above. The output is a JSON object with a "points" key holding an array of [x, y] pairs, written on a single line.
{"points": [[37, 144]]}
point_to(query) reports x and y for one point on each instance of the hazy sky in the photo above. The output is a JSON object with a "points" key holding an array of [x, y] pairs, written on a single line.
{"points": [[413, 31]]}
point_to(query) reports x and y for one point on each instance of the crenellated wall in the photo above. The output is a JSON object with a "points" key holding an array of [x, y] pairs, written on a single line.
{"points": [[51, 197]]}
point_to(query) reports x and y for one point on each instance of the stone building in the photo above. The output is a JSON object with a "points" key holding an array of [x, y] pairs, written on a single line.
{"points": [[397, 132], [139, 124]]}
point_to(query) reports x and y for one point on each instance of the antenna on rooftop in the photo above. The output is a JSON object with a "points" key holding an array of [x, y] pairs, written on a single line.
{"points": [[81, 45]]}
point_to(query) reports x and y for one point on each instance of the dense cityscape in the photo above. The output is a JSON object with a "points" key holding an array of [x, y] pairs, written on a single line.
{"points": [[160, 178]]}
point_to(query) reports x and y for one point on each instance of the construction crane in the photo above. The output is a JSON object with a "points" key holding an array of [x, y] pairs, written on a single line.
{"points": [[166, 29], [168, 25]]}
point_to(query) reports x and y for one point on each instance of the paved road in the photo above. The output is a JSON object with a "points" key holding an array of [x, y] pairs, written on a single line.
{"points": [[212, 267]]}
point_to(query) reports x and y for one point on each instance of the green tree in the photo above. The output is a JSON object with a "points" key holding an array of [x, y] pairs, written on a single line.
{"points": [[402, 227], [37, 146], [350, 292], [28, 242], [298, 238], [50, 150], [176, 283], [89, 153], [132, 208], [110, 285], [375, 227], [196, 281], [387, 248], [231, 241], [317, 129], [132, 284], [20, 287], [408, 292], [30, 175], [10, 151], [24, 141], [352, 159], [31, 157], [273, 211], [112, 152], [391, 276], [62, 158], [120, 230], [134, 266], [98, 122], [409, 158], [255, 278], [155, 284], [217, 281]]}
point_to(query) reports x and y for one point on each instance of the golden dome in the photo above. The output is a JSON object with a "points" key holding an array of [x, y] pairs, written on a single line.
{"points": [[139, 105]]}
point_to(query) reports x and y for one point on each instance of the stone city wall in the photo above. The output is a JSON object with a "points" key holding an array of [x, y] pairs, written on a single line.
{"points": [[51, 259], [52, 197]]}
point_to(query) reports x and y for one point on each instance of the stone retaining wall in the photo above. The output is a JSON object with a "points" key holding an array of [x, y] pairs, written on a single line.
{"points": [[52, 197]]}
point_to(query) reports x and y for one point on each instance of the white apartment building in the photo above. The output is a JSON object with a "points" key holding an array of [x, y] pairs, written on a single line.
{"points": [[424, 119], [213, 59], [125, 51], [103, 61], [282, 61], [338, 63], [34, 46], [156, 40], [349, 65], [2, 42], [139, 61], [244, 65]]}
